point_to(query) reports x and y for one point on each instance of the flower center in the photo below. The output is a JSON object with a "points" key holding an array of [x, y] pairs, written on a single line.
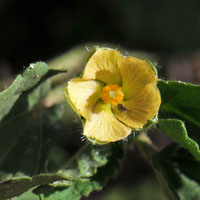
{"points": [[112, 94]]}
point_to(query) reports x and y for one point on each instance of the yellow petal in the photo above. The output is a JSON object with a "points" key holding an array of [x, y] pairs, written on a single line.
{"points": [[103, 66], [103, 126], [138, 110], [84, 94], [136, 73]]}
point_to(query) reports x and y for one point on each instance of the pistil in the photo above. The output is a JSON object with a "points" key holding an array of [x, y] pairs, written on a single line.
{"points": [[112, 94]]}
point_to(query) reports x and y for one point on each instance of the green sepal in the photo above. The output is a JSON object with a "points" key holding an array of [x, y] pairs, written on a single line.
{"points": [[150, 123]]}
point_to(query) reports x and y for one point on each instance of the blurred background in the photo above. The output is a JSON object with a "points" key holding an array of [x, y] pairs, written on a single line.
{"points": [[167, 30]]}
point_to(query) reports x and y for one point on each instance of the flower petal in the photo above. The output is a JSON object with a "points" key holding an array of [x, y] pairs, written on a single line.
{"points": [[141, 108], [103, 126], [84, 94], [103, 66], [136, 73]]}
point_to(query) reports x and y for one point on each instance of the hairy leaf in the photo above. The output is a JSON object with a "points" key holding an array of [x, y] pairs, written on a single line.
{"points": [[181, 99], [28, 79], [172, 162], [29, 195], [102, 163], [28, 130], [26, 138], [177, 182], [16, 186], [176, 130], [106, 163]]}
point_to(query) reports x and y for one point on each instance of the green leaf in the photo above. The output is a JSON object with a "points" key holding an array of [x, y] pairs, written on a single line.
{"points": [[149, 152], [189, 189], [102, 164], [86, 162], [29, 195], [172, 161], [177, 182], [28, 79], [28, 131], [16, 186], [181, 99], [185, 162], [99, 159], [26, 139], [176, 130], [73, 192], [26, 154], [176, 185]]}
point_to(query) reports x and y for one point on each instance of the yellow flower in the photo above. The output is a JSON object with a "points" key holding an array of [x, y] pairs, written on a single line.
{"points": [[115, 95]]}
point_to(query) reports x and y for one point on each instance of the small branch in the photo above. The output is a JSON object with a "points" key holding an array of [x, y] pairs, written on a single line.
{"points": [[146, 146]]}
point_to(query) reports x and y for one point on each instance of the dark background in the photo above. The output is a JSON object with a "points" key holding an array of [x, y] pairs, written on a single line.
{"points": [[41, 30]]}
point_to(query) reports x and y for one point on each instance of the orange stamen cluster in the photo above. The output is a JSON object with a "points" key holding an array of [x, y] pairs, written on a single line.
{"points": [[112, 94]]}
